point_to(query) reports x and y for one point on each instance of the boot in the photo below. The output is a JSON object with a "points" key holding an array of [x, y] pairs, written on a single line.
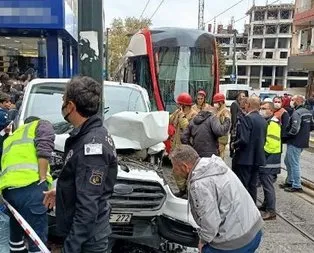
{"points": [[268, 215]]}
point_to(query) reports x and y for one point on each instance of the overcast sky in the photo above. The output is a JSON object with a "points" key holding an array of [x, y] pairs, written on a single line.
{"points": [[181, 13]]}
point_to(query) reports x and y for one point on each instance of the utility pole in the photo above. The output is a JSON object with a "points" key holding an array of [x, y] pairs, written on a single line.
{"points": [[107, 53], [91, 40], [201, 24], [234, 56]]}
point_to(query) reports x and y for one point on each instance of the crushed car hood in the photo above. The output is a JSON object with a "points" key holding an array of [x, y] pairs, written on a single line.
{"points": [[138, 130], [132, 130]]}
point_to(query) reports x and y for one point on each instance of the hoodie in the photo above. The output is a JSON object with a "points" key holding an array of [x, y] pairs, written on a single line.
{"points": [[221, 206], [203, 132]]}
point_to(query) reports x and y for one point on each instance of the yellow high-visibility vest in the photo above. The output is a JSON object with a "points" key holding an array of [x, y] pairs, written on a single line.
{"points": [[273, 137], [19, 160]]}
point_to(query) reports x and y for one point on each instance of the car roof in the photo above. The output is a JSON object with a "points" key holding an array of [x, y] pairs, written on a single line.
{"points": [[65, 80]]}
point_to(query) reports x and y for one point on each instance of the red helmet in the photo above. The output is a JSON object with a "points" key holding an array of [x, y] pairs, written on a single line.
{"points": [[184, 99], [219, 97], [201, 92]]}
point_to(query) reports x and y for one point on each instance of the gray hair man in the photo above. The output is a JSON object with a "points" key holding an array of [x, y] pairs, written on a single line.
{"points": [[220, 205]]}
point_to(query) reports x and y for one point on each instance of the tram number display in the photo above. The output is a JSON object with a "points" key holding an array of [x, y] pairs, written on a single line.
{"points": [[122, 218]]}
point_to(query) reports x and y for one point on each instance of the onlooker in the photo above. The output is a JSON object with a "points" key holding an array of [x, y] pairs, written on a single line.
{"points": [[234, 109], [249, 154], [222, 113], [298, 136], [5, 104], [25, 176], [282, 115], [201, 104], [203, 132], [228, 219], [273, 149], [30, 73]]}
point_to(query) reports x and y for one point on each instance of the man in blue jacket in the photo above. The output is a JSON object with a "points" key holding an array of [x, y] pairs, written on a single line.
{"points": [[300, 125]]}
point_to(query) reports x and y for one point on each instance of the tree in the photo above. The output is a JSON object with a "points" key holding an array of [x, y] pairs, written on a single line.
{"points": [[222, 61], [119, 37]]}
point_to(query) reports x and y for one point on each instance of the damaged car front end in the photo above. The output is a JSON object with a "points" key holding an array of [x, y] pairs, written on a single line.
{"points": [[144, 209]]}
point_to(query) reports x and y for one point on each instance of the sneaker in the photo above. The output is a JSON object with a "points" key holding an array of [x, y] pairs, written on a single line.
{"points": [[291, 189], [285, 185], [261, 208], [269, 215]]}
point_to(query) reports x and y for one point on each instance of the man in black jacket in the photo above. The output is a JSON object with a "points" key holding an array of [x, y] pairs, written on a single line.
{"points": [[249, 146], [89, 172], [298, 132]]}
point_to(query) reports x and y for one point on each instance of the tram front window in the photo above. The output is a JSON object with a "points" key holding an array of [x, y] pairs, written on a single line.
{"points": [[183, 69]]}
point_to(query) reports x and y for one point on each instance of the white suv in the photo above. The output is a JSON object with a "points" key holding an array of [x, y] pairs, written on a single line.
{"points": [[144, 209]]}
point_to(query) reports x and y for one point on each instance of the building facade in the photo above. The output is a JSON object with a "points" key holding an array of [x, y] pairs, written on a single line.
{"points": [[302, 49], [263, 61], [41, 34]]}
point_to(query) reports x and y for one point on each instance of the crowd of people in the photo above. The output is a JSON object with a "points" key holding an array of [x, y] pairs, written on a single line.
{"points": [[219, 196]]}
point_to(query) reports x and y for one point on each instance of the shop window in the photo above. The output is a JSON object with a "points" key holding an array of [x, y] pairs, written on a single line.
{"points": [[241, 70], [279, 71], [267, 71], [255, 71], [266, 83]]}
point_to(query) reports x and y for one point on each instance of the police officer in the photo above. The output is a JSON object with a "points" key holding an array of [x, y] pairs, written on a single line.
{"points": [[89, 172], [24, 177]]}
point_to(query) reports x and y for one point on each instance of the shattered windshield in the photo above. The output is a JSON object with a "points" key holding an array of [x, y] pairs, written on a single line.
{"points": [[45, 101]]}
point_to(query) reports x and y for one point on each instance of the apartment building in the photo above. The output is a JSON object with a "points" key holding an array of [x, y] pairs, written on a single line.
{"points": [[302, 49], [263, 61]]}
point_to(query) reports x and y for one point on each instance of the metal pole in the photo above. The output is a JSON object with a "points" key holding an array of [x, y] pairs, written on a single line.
{"points": [[234, 55], [91, 39], [107, 53]]}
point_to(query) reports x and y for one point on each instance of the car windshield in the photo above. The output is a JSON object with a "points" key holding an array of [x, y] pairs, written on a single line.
{"points": [[45, 101]]}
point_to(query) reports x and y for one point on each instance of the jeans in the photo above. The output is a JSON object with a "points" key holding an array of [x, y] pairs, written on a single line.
{"points": [[249, 248], [267, 181], [248, 176], [28, 201], [292, 162]]}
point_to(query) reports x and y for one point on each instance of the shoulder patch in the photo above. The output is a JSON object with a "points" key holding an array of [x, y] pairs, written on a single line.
{"points": [[96, 177]]}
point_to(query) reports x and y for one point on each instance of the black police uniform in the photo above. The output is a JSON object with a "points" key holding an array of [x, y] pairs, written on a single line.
{"points": [[84, 186]]}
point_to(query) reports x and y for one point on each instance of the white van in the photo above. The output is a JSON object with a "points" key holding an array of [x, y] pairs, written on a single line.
{"points": [[232, 90]]}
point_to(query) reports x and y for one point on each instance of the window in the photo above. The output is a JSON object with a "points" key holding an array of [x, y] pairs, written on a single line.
{"points": [[257, 55], [232, 94], [258, 30], [257, 43], [266, 83], [284, 28], [283, 55], [269, 55], [272, 14], [271, 29], [270, 43], [255, 70], [284, 14], [241, 71], [279, 71], [259, 15], [267, 71], [282, 43]]}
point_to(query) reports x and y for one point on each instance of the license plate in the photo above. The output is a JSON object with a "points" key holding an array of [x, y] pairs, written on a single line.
{"points": [[122, 218]]}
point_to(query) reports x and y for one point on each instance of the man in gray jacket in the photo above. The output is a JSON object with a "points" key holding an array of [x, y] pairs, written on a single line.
{"points": [[203, 132], [221, 206]]}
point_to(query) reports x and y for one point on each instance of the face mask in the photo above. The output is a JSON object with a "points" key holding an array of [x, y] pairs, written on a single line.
{"points": [[292, 105], [66, 116], [216, 105], [277, 105], [263, 113]]}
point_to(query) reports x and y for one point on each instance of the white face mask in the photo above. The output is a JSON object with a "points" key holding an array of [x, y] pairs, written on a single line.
{"points": [[292, 105], [263, 113], [277, 105], [216, 105]]}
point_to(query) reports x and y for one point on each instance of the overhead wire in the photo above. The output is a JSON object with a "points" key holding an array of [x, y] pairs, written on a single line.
{"points": [[143, 11], [157, 9], [224, 11]]}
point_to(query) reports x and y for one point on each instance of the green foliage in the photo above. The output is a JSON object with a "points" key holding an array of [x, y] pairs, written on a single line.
{"points": [[119, 37]]}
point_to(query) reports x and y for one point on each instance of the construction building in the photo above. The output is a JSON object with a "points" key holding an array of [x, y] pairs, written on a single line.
{"points": [[263, 49], [302, 48]]}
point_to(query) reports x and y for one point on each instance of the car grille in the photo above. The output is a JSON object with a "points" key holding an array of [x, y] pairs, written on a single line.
{"points": [[122, 230], [145, 196]]}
